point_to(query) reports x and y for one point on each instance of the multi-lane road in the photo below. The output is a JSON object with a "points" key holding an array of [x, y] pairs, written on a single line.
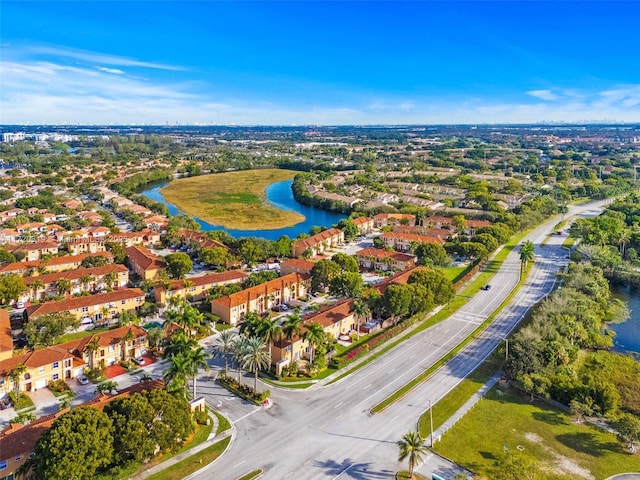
{"points": [[328, 432]]}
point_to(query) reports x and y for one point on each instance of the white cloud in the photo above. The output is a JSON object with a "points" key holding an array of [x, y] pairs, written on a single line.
{"points": [[115, 71], [543, 94]]}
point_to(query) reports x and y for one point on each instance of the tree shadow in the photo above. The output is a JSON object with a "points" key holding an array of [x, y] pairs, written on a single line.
{"points": [[552, 418], [588, 443], [488, 455], [356, 471]]}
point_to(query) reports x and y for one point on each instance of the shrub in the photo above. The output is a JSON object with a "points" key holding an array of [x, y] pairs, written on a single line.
{"points": [[58, 386], [95, 375], [201, 417], [244, 391]]}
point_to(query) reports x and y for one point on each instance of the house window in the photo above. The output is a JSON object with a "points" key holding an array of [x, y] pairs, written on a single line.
{"points": [[55, 377], [85, 309], [41, 369], [56, 364], [123, 302], [112, 348], [3, 464]]}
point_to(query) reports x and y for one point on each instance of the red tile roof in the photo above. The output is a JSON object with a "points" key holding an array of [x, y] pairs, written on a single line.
{"points": [[297, 264], [6, 342], [318, 238], [145, 258], [261, 290], [379, 253], [77, 274], [15, 266], [79, 302], [209, 279], [412, 237]]}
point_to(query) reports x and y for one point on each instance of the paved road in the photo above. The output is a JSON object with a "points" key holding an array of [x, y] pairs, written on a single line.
{"points": [[329, 433]]}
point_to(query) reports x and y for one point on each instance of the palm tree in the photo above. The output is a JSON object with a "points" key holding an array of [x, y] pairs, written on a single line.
{"points": [[255, 358], [128, 337], [63, 286], [92, 347], [224, 347], [526, 254], [15, 373], [238, 351], [197, 360], [315, 336], [361, 310], [291, 329], [412, 447], [36, 286], [176, 374], [180, 343], [270, 331], [107, 387], [85, 280], [110, 279], [250, 325]]}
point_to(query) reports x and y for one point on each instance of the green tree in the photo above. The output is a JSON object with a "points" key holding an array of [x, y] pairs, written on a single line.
{"points": [[6, 257], [46, 329], [628, 430], [238, 350], [15, 373], [77, 446], [322, 273], [178, 264], [108, 387], [197, 360], [527, 251], [250, 325], [346, 262], [11, 287], [315, 336], [63, 286], [224, 347], [177, 372], [255, 358], [362, 311], [348, 284], [270, 331], [435, 281], [412, 447], [397, 300], [291, 329], [216, 256], [432, 255]]}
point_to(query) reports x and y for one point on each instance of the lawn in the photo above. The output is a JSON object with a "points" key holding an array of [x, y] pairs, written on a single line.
{"points": [[234, 200], [81, 334], [193, 463], [455, 273], [503, 422]]}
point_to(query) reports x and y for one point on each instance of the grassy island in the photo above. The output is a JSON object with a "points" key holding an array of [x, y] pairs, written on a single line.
{"points": [[235, 200]]}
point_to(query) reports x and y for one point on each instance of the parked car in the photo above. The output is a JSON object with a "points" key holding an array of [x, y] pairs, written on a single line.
{"points": [[138, 361], [82, 380], [486, 287]]}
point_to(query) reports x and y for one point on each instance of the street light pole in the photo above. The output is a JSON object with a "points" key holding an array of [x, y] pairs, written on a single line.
{"points": [[506, 349]]}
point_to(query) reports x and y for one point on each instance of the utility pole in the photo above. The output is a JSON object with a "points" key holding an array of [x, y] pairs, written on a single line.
{"points": [[431, 420]]}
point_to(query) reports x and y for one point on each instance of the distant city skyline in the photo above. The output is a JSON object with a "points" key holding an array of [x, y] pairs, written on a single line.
{"points": [[324, 63]]}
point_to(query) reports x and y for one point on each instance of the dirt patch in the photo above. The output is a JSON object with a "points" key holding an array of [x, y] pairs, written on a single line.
{"points": [[566, 465], [533, 437]]}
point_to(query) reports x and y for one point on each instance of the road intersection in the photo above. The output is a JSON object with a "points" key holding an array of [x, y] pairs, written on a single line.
{"points": [[328, 431]]}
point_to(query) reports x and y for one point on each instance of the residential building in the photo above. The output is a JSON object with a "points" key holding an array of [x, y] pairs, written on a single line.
{"points": [[92, 309], [377, 259], [447, 223], [6, 340], [195, 239], [108, 276], [365, 224], [261, 298], [391, 219], [318, 243], [296, 265], [441, 233], [34, 251], [196, 287], [72, 204], [336, 320], [146, 238], [144, 262], [85, 245], [403, 242], [18, 441], [55, 264]]}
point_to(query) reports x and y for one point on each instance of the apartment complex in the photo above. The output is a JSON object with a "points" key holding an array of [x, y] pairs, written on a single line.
{"points": [[144, 262], [317, 244], [377, 259], [196, 287]]}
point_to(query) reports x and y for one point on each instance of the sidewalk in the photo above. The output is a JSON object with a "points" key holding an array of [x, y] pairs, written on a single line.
{"points": [[213, 438]]}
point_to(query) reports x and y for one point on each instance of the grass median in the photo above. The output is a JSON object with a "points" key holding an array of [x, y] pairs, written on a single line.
{"points": [[234, 199], [402, 391]]}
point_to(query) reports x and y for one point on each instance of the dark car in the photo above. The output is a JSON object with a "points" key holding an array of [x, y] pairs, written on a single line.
{"points": [[486, 287]]}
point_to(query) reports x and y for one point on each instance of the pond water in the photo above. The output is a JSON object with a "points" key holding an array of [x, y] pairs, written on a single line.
{"points": [[627, 333], [280, 195]]}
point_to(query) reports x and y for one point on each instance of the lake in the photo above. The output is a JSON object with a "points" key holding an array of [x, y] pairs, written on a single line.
{"points": [[627, 333], [280, 195]]}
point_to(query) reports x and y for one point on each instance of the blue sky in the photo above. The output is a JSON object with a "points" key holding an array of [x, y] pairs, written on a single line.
{"points": [[153, 62]]}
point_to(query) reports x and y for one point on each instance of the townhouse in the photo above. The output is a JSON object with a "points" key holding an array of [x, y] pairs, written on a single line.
{"points": [[403, 242], [391, 219], [261, 298], [377, 259], [78, 246], [146, 238], [18, 441], [338, 319], [319, 243], [447, 223], [196, 287], [55, 264], [441, 233], [92, 309], [365, 224], [144, 262], [80, 280], [35, 251], [296, 265], [6, 340], [191, 238], [9, 214]]}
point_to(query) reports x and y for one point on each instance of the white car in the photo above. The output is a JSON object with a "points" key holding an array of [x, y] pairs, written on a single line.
{"points": [[138, 361], [82, 380]]}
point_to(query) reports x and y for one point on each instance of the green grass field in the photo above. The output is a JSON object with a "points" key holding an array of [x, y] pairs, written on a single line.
{"points": [[536, 430], [193, 463], [233, 199]]}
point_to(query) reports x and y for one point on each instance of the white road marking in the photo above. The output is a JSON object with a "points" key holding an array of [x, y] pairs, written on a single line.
{"points": [[238, 464], [338, 405]]}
